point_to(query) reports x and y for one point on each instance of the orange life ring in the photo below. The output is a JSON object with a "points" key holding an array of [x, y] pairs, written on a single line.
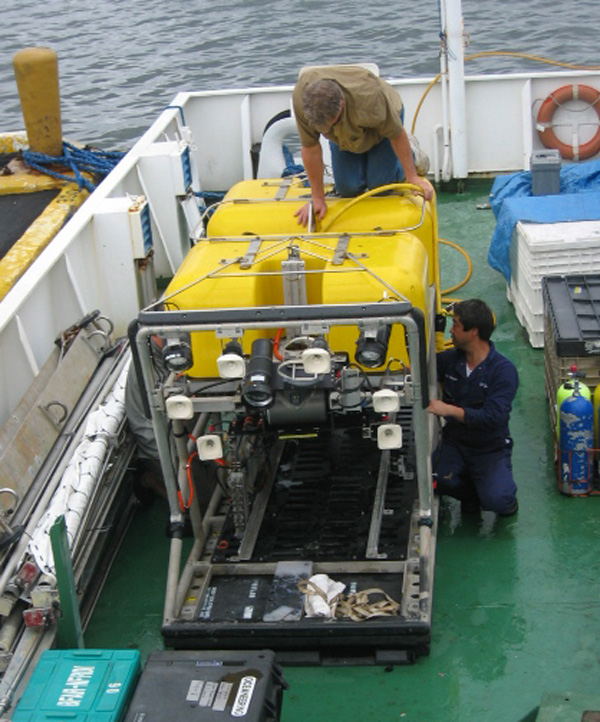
{"points": [[544, 121]]}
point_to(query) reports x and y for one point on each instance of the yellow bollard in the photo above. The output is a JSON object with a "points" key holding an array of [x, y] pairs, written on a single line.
{"points": [[36, 73]]}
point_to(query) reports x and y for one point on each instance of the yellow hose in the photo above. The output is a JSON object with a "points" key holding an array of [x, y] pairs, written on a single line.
{"points": [[402, 187], [469, 271], [506, 53]]}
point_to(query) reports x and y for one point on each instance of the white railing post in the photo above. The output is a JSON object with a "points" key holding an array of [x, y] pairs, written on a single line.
{"points": [[452, 27]]}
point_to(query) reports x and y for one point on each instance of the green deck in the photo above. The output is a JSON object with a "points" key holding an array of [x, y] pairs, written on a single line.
{"points": [[516, 603]]}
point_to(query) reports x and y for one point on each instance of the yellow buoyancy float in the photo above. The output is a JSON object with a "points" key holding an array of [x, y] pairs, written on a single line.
{"points": [[389, 252]]}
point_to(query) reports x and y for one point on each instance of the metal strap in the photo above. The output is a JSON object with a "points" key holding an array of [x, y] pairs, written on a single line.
{"points": [[341, 250], [253, 248], [283, 188]]}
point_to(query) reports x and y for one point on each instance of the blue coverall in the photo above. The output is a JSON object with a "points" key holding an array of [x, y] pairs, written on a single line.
{"points": [[474, 458]]}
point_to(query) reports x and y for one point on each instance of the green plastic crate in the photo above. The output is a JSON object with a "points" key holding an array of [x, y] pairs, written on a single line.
{"points": [[80, 686]]}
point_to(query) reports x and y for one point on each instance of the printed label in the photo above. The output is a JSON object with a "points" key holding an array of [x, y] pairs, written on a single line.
{"points": [[207, 603], [248, 612], [208, 694], [243, 697], [75, 687], [252, 592], [222, 696], [194, 691]]}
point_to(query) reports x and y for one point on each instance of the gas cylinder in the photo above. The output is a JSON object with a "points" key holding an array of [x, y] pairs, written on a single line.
{"points": [[576, 423], [566, 390], [596, 402]]}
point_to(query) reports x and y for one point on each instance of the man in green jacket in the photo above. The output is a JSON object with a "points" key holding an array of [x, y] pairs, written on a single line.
{"points": [[361, 115]]}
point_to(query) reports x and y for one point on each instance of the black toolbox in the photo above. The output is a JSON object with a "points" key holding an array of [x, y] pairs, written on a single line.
{"points": [[204, 686]]}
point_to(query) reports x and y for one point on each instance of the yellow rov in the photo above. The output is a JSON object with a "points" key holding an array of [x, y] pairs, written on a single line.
{"points": [[288, 374]]}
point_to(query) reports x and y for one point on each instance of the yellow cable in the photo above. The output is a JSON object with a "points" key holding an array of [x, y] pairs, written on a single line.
{"points": [[469, 264], [425, 94], [506, 53], [402, 188], [527, 56]]}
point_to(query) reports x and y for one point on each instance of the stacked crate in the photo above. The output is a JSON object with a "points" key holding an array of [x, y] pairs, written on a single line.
{"points": [[572, 330], [548, 249]]}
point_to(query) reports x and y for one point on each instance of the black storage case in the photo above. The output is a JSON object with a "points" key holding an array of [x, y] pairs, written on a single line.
{"points": [[203, 686], [572, 304]]}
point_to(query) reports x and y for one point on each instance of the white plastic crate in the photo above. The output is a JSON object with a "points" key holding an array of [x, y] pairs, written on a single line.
{"points": [[548, 249], [532, 323]]}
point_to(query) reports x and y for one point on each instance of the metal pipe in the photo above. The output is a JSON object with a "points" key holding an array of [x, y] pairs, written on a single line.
{"points": [[159, 424], [436, 152], [421, 421], [446, 163], [172, 579], [184, 479], [425, 564], [210, 517], [11, 626], [188, 572], [28, 646]]}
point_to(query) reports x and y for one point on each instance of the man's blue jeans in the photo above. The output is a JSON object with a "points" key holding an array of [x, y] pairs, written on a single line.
{"points": [[354, 173]]}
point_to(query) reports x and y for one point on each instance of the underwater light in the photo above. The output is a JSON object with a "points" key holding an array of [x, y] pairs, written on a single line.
{"points": [[257, 391], [372, 346], [177, 352]]}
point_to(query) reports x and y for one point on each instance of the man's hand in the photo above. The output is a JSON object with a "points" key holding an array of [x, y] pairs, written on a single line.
{"points": [[424, 184], [401, 146], [439, 408], [319, 210], [436, 407]]}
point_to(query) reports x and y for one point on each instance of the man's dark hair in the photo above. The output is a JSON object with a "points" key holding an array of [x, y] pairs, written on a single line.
{"points": [[475, 313], [321, 102]]}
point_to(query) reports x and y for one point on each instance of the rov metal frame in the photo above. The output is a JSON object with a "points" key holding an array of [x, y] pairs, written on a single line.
{"points": [[303, 320]]}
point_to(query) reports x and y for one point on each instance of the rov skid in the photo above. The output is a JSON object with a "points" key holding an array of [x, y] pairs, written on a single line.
{"points": [[287, 375]]}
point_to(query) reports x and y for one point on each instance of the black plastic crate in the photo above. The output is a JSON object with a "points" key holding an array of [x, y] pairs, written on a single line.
{"points": [[204, 685], [572, 307]]}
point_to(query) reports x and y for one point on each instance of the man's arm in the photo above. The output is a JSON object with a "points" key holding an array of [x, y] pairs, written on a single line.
{"points": [[402, 149], [312, 157]]}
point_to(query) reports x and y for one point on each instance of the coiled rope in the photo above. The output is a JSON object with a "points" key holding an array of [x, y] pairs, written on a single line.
{"points": [[79, 160], [359, 606]]}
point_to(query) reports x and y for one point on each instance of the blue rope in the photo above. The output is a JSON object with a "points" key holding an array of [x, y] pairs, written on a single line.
{"points": [[90, 160], [210, 199], [291, 168]]}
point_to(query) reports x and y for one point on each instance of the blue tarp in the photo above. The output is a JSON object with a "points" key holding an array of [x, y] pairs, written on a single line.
{"points": [[511, 201]]}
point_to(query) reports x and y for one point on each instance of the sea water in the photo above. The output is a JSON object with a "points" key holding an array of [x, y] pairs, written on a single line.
{"points": [[121, 62]]}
